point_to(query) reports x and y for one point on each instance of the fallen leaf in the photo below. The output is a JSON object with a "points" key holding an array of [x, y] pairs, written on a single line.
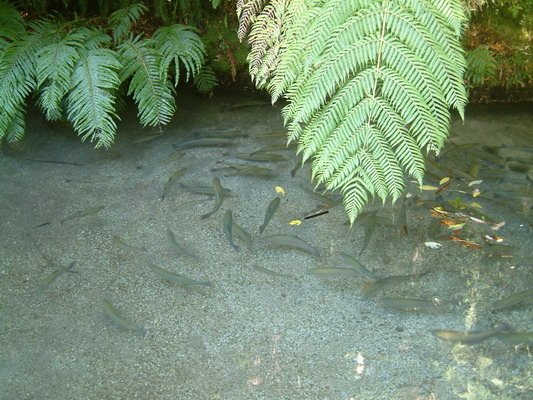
{"points": [[280, 190], [456, 227], [476, 192], [495, 227], [444, 180], [295, 222], [433, 245], [428, 187], [472, 183]]}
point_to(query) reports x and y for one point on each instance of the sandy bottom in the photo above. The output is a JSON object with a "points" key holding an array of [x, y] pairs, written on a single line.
{"points": [[252, 335]]}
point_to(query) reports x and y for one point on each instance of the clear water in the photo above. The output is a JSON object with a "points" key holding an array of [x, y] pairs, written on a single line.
{"points": [[251, 335]]}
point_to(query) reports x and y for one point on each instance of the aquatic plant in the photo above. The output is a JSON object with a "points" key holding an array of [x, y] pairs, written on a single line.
{"points": [[77, 70], [369, 85]]}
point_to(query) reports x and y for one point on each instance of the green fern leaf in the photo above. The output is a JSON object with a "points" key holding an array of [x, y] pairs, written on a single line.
{"points": [[180, 45], [369, 85], [205, 81], [91, 100], [11, 23], [151, 91], [122, 20], [56, 63]]}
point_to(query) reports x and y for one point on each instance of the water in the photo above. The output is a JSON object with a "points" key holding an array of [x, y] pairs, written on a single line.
{"points": [[251, 335]]}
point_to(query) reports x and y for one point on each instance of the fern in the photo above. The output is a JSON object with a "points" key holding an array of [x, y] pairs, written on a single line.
{"points": [[369, 85], [181, 46], [122, 20], [152, 93], [205, 81], [91, 99], [481, 65]]}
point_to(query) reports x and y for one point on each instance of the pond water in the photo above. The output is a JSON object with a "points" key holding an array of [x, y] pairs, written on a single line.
{"points": [[112, 285]]}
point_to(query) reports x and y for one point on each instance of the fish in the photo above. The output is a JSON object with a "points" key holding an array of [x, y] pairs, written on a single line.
{"points": [[83, 213], [228, 229], [500, 250], [54, 275], [271, 209], [332, 271], [412, 304], [514, 299], [370, 228], [384, 283], [272, 273], [517, 166], [325, 201], [204, 142], [434, 228], [248, 170], [199, 189], [125, 246], [292, 242], [357, 266], [180, 250], [174, 156], [263, 157], [118, 320], [278, 147], [402, 218], [516, 338], [55, 162], [219, 197], [147, 138], [241, 233], [177, 279], [465, 338], [246, 104], [172, 180]]}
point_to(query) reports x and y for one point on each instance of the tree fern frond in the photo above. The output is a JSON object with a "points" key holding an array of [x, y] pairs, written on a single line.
{"points": [[247, 11], [153, 94], [181, 45], [481, 65], [14, 130], [11, 22], [205, 80], [91, 99], [369, 85], [55, 65], [122, 20]]}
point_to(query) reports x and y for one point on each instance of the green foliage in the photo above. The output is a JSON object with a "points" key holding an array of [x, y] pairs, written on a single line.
{"points": [[78, 71], [481, 65], [206, 80], [369, 85]]}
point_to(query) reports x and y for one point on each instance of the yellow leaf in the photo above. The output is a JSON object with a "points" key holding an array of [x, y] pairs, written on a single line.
{"points": [[444, 180], [475, 205], [280, 190], [476, 192], [295, 222], [455, 227], [428, 187]]}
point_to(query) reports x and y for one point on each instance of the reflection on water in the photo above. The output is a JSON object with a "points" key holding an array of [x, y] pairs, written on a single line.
{"points": [[114, 286]]}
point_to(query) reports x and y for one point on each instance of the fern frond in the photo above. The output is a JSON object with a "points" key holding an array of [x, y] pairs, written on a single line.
{"points": [[205, 80], [151, 91], [55, 65], [369, 85], [247, 10], [17, 79], [181, 45], [91, 100], [11, 22], [481, 65], [122, 20]]}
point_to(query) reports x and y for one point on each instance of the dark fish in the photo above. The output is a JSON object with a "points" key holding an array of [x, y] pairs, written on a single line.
{"points": [[272, 208], [332, 271], [83, 213], [357, 266], [272, 273], [246, 104], [516, 338], [204, 142], [172, 180], [263, 157], [219, 197], [228, 229], [525, 297], [198, 189], [176, 278], [292, 242], [278, 147], [118, 320], [517, 166], [147, 138], [434, 228], [54, 275], [125, 246], [465, 338], [43, 224], [500, 250], [180, 250], [248, 170], [370, 228], [243, 235], [55, 162], [412, 304], [174, 156], [384, 283]]}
